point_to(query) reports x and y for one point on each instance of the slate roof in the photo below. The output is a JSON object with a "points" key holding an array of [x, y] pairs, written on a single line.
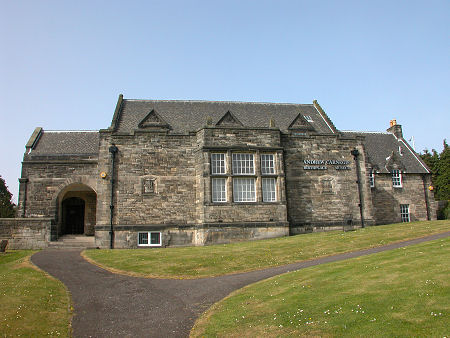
{"points": [[187, 116], [66, 143], [381, 146]]}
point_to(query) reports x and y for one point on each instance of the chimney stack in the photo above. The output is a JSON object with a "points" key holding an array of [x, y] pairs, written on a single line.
{"points": [[395, 129]]}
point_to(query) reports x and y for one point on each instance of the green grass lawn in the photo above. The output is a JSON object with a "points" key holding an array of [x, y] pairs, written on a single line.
{"points": [[31, 303], [399, 293], [195, 262]]}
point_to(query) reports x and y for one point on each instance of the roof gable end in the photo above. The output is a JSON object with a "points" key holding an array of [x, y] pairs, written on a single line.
{"points": [[153, 120], [300, 123], [229, 120]]}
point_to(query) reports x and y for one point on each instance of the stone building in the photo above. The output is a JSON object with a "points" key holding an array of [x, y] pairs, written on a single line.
{"points": [[169, 173]]}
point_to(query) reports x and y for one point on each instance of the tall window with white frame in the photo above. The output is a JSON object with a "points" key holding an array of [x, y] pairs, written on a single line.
{"points": [[372, 178], [267, 164], [269, 190], [268, 184], [396, 178], [219, 190], [218, 184], [243, 187], [218, 164], [404, 212]]}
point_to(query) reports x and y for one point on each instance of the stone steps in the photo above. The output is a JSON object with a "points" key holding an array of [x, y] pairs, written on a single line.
{"points": [[74, 242]]}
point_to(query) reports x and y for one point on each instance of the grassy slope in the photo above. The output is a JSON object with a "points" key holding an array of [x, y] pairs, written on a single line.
{"points": [[404, 292], [31, 304], [194, 262]]}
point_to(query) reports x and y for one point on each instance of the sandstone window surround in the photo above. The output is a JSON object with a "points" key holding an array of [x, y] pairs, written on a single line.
{"points": [[148, 185], [396, 178], [404, 212], [149, 238]]}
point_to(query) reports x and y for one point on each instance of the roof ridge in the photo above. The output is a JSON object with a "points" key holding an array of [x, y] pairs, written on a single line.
{"points": [[70, 131], [208, 101], [366, 132]]}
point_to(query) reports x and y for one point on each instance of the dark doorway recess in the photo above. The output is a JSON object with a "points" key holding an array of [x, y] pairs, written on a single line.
{"points": [[73, 216]]}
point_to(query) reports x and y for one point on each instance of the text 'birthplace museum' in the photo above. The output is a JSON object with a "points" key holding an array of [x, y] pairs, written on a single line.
{"points": [[168, 173]]}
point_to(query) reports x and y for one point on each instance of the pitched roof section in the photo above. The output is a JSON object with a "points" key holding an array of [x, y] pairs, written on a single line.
{"points": [[188, 116], [54, 143], [384, 149]]}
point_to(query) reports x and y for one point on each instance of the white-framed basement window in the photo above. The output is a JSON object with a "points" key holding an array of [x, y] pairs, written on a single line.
{"points": [[396, 178], [267, 164], [404, 212], [243, 164], [149, 238], [372, 178], [269, 189], [219, 189], [218, 164], [244, 189]]}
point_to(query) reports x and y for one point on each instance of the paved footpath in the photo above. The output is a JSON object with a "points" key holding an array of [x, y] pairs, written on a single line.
{"points": [[113, 305]]}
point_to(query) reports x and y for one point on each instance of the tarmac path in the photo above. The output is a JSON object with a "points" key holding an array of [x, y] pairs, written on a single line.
{"points": [[114, 305]]}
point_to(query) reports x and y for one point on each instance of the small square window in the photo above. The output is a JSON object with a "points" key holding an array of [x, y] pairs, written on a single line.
{"points": [[151, 238]]}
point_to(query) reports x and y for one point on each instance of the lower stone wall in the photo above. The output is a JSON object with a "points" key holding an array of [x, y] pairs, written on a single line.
{"points": [[26, 233], [126, 236]]}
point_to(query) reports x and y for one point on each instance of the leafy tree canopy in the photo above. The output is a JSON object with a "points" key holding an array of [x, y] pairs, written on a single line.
{"points": [[440, 167], [7, 208]]}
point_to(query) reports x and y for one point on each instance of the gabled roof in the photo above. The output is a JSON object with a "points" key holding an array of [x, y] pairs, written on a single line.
{"points": [[189, 116], [384, 150], [51, 143]]}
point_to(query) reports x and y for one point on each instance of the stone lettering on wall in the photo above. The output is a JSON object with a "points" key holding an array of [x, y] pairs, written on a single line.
{"points": [[323, 164]]}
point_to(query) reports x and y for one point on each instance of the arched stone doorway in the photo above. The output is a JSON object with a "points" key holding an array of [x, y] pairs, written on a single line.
{"points": [[77, 210]]}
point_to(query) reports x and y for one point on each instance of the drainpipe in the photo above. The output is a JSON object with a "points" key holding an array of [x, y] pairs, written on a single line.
{"points": [[113, 150], [355, 154], [427, 202]]}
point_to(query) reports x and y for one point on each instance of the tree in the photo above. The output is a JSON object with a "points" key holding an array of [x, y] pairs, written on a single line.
{"points": [[7, 208], [442, 180]]}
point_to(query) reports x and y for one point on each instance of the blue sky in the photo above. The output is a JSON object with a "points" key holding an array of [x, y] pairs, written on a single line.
{"points": [[64, 63]]}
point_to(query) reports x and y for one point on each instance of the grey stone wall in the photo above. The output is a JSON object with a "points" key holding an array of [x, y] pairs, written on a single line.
{"points": [[387, 199], [26, 233], [324, 194], [167, 160]]}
